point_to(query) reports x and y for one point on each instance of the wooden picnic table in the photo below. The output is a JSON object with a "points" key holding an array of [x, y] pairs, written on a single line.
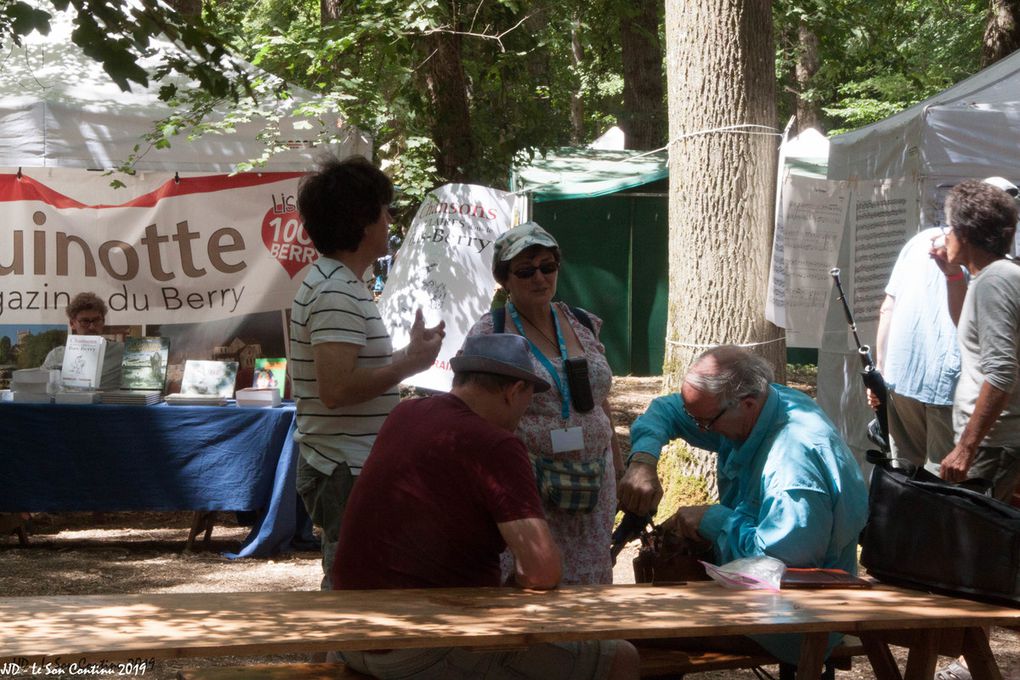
{"points": [[160, 626]]}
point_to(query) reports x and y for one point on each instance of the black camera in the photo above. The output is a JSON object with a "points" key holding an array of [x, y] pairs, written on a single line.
{"points": [[576, 369]]}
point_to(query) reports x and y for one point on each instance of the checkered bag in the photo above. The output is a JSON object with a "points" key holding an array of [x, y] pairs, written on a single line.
{"points": [[569, 485]]}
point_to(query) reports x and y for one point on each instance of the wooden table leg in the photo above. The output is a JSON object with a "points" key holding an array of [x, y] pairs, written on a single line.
{"points": [[923, 656], [882, 661], [978, 654], [812, 656]]}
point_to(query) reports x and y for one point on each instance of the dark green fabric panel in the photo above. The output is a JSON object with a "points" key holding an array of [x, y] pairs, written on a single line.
{"points": [[650, 283], [615, 250], [594, 237]]}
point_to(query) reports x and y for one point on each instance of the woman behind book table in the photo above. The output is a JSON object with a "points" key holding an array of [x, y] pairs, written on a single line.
{"points": [[87, 316]]}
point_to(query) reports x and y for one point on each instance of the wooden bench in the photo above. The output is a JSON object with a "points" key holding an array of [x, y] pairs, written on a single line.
{"points": [[656, 664], [672, 664], [286, 671], [202, 625]]}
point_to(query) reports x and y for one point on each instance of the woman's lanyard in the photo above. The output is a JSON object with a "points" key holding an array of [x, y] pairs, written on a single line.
{"points": [[561, 385]]}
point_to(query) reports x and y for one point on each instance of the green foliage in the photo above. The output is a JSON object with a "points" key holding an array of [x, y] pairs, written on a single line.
{"points": [[371, 61], [5, 349], [877, 58], [34, 348], [119, 34], [18, 19]]}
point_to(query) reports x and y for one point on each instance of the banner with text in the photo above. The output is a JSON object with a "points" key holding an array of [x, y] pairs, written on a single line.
{"points": [[808, 234], [444, 269], [884, 214], [195, 249]]}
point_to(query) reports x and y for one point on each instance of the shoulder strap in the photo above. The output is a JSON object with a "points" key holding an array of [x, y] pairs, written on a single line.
{"points": [[583, 317], [499, 319]]}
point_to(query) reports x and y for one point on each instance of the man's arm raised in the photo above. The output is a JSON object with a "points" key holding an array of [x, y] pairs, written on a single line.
{"points": [[342, 383]]}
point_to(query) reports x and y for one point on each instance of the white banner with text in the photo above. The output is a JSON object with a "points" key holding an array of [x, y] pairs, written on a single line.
{"points": [[193, 249], [443, 268]]}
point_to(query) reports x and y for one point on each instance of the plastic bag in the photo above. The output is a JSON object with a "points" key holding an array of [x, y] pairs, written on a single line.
{"points": [[748, 573]]}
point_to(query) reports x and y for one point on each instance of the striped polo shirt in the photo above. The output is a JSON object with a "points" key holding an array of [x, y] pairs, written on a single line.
{"points": [[334, 305]]}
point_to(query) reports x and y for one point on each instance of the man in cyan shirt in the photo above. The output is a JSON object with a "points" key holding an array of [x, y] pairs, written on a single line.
{"points": [[789, 488]]}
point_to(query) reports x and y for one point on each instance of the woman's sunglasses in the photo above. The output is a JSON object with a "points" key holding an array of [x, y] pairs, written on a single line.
{"points": [[546, 268]]}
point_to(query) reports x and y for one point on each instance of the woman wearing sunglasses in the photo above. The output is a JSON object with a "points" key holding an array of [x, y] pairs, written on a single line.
{"points": [[568, 429]]}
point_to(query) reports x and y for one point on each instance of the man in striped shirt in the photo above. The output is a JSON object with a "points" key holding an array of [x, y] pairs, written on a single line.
{"points": [[343, 367]]}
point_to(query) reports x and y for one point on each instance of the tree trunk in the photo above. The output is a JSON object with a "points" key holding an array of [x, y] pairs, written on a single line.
{"points": [[446, 86], [188, 8], [721, 72], [578, 134], [330, 10], [644, 109], [1002, 32], [808, 112]]}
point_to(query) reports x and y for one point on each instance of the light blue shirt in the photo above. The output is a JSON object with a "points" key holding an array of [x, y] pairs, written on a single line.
{"points": [[922, 357], [792, 490]]}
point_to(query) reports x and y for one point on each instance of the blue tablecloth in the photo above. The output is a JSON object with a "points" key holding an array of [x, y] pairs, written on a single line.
{"points": [[61, 457]]}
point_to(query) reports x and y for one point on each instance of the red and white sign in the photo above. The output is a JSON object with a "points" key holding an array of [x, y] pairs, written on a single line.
{"points": [[191, 249]]}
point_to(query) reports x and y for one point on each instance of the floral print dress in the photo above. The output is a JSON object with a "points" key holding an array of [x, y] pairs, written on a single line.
{"points": [[583, 537]]}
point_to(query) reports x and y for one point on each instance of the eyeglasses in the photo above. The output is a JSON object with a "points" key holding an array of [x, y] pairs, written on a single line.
{"points": [[89, 321], [706, 424], [546, 268]]}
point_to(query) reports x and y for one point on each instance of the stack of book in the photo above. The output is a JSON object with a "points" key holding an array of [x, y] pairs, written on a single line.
{"points": [[181, 399], [133, 397], [142, 371], [254, 397], [76, 397], [34, 385]]}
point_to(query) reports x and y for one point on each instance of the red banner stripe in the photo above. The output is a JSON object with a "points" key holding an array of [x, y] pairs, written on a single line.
{"points": [[24, 188]]}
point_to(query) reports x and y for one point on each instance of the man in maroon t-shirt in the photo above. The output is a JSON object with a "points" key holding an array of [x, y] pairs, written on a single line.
{"points": [[447, 487]]}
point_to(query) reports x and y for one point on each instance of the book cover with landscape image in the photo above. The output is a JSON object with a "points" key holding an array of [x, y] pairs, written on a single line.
{"points": [[270, 373], [209, 378], [144, 364]]}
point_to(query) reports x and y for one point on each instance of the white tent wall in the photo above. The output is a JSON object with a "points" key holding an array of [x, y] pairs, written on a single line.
{"points": [[967, 131]]}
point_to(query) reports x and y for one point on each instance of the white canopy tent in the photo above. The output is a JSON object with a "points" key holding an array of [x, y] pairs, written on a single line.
{"points": [[62, 117], [59, 109], [897, 173]]}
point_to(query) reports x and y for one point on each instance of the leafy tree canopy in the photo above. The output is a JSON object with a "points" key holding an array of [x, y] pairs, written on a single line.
{"points": [[878, 57], [118, 35]]}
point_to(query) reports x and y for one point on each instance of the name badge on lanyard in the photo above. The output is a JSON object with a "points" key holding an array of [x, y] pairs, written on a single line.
{"points": [[567, 439]]}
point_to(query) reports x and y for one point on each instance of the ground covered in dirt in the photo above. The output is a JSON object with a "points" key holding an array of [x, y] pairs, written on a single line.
{"points": [[86, 553]]}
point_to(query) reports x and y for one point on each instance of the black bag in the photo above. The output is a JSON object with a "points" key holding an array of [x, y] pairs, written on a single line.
{"points": [[928, 534]]}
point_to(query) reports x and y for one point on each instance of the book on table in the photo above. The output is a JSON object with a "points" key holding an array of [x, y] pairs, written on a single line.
{"points": [[82, 367], [144, 364], [258, 397], [270, 373], [206, 382]]}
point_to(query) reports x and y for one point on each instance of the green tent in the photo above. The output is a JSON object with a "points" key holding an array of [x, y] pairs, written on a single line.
{"points": [[608, 210]]}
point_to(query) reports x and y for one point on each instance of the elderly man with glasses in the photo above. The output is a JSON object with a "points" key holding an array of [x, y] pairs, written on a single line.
{"points": [[789, 487]]}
